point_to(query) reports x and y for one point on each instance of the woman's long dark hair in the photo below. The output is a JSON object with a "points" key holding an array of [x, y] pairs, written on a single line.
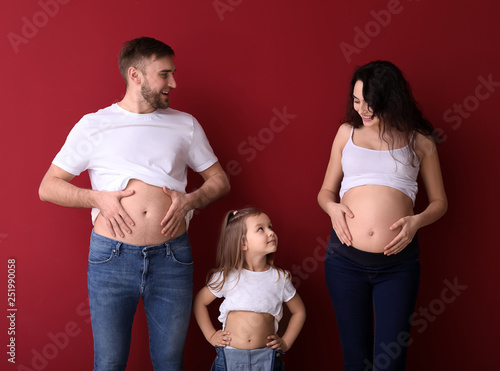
{"points": [[390, 98]]}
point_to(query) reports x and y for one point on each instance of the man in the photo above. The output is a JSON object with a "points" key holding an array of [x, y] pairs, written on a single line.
{"points": [[137, 152]]}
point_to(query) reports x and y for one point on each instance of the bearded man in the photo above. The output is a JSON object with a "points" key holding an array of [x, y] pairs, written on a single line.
{"points": [[137, 152]]}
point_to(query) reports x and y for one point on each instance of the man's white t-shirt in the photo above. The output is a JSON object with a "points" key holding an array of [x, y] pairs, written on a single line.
{"points": [[116, 145]]}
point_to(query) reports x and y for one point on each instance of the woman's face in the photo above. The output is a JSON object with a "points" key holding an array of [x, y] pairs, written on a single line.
{"points": [[361, 107]]}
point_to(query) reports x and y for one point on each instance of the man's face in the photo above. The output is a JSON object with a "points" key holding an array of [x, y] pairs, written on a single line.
{"points": [[158, 80]]}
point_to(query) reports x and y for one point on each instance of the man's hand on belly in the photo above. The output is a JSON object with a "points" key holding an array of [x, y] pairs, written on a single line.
{"points": [[176, 213], [116, 218]]}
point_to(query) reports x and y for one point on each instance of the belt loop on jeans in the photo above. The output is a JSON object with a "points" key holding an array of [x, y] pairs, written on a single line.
{"points": [[168, 248], [118, 248]]}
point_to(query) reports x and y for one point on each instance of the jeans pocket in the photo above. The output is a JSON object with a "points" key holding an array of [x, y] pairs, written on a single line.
{"points": [[182, 254], [100, 254]]}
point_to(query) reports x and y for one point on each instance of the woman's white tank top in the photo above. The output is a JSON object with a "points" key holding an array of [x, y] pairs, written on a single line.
{"points": [[363, 166]]}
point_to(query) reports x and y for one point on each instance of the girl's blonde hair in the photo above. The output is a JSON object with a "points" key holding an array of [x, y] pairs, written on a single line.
{"points": [[229, 249]]}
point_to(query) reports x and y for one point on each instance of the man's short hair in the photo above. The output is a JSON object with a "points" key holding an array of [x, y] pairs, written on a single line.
{"points": [[136, 51]]}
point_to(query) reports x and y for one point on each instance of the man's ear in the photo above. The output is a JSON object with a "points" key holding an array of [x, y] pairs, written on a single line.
{"points": [[134, 75]]}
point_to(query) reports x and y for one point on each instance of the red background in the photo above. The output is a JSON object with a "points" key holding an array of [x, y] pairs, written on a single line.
{"points": [[239, 63]]}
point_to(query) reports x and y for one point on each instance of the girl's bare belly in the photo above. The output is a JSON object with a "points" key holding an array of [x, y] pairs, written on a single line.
{"points": [[249, 330], [147, 207], [375, 209]]}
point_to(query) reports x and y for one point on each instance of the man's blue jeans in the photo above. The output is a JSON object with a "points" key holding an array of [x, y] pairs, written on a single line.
{"points": [[118, 276], [373, 306]]}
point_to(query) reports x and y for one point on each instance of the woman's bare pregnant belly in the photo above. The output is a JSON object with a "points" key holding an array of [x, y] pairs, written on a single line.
{"points": [[249, 330], [375, 209], [147, 207]]}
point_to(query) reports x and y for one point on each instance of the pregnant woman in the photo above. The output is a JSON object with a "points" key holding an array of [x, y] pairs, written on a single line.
{"points": [[372, 268]]}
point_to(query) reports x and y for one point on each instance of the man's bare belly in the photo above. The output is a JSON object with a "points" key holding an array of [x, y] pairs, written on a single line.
{"points": [[147, 207], [249, 330], [375, 209]]}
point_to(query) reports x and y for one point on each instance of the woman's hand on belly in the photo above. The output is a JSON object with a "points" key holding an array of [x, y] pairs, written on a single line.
{"points": [[381, 213], [338, 215], [409, 228]]}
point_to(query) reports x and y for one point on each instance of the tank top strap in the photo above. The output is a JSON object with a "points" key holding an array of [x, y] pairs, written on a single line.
{"points": [[351, 141]]}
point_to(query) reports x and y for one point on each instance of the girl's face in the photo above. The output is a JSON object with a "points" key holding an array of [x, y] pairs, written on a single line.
{"points": [[369, 119], [260, 238]]}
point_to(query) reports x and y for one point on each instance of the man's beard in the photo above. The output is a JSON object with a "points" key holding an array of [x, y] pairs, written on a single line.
{"points": [[153, 98]]}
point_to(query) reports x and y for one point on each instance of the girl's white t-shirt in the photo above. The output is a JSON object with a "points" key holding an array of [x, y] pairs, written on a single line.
{"points": [[261, 292]]}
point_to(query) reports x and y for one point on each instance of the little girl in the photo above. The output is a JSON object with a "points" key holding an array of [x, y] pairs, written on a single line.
{"points": [[254, 290]]}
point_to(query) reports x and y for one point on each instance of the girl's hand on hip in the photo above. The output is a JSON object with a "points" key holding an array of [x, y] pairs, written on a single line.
{"points": [[220, 338], [276, 343]]}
